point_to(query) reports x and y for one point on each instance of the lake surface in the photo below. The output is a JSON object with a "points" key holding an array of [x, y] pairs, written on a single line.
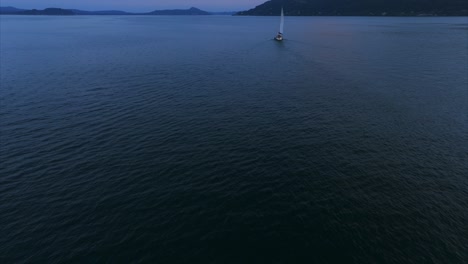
{"points": [[202, 140]]}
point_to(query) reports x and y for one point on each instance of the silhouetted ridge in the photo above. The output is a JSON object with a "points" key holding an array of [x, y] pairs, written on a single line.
{"points": [[10, 10], [47, 11], [361, 8], [59, 11], [190, 11]]}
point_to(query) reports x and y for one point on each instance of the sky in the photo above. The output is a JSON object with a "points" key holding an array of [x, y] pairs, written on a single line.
{"points": [[136, 5]]}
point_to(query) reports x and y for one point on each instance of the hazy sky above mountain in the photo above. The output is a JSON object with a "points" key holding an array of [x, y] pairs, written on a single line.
{"points": [[136, 5]]}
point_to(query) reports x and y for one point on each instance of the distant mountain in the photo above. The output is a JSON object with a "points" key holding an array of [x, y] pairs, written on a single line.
{"points": [[47, 11], [9, 10], [361, 8], [191, 11], [59, 11], [105, 12]]}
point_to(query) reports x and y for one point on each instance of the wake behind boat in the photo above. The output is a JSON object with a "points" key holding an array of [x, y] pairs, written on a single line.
{"points": [[279, 37]]}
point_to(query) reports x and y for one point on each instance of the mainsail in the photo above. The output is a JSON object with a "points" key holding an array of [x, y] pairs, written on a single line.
{"points": [[282, 21]]}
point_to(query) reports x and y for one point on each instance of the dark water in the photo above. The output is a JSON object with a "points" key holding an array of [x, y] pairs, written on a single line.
{"points": [[201, 140]]}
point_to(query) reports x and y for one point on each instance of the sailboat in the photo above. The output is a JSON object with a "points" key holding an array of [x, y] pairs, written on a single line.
{"points": [[279, 37]]}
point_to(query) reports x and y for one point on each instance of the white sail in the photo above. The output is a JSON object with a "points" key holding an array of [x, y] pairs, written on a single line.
{"points": [[282, 21]]}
